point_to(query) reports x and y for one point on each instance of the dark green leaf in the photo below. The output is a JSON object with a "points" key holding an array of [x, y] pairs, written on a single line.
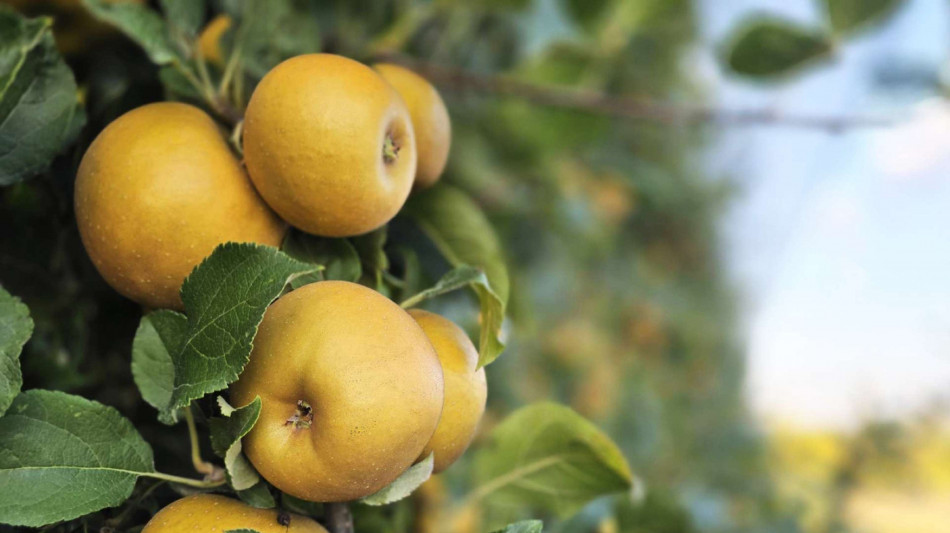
{"points": [[408, 260], [226, 434], [140, 23], [16, 326], [62, 456], [270, 31], [546, 456], [40, 112], [851, 16], [185, 16], [178, 358], [336, 257], [370, 249], [767, 47], [159, 334], [525, 526], [228, 429], [403, 485], [177, 87], [463, 234], [296, 505], [225, 298], [588, 14], [258, 496]]}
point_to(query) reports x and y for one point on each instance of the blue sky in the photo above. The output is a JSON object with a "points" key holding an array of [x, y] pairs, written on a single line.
{"points": [[840, 244]]}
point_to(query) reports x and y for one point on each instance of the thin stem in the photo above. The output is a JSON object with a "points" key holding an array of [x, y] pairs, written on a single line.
{"points": [[220, 105], [393, 280], [412, 301], [203, 68], [339, 518], [194, 81], [230, 69], [236, 137], [200, 464], [197, 483], [633, 108]]}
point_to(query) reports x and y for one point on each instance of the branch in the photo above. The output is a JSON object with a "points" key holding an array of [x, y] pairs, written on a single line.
{"points": [[633, 108], [339, 518]]}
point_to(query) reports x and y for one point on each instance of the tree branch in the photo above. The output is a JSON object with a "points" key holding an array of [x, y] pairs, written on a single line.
{"points": [[339, 518], [633, 108]]}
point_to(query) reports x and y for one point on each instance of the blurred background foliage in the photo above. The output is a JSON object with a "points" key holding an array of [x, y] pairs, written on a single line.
{"points": [[619, 303]]}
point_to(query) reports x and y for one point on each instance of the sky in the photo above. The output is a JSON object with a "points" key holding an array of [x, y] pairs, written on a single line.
{"points": [[839, 243]]}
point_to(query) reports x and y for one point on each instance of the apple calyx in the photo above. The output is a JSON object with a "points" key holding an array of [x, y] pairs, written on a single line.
{"points": [[302, 417], [390, 149]]}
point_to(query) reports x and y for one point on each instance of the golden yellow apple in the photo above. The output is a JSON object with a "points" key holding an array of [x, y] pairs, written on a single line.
{"points": [[329, 145], [465, 388], [156, 192], [430, 120], [351, 391], [212, 513]]}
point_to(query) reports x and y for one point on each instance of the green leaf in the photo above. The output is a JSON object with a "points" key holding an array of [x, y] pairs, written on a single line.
{"points": [[140, 23], [226, 434], [848, 17], [258, 496], [225, 298], [16, 327], [304, 507], [458, 277], [766, 47], [403, 485], [40, 112], [228, 429], [159, 334], [370, 249], [587, 14], [524, 526], [462, 233], [546, 456], [242, 530], [62, 456], [270, 31], [185, 16], [177, 87], [411, 282], [336, 257]]}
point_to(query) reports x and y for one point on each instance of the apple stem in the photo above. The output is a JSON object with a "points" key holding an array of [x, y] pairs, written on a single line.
{"points": [[339, 518], [390, 149], [202, 466]]}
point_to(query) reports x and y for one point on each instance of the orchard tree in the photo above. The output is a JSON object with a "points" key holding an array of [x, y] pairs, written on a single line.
{"points": [[270, 283], [249, 220]]}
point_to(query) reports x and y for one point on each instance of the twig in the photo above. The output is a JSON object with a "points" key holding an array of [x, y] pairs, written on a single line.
{"points": [[633, 108], [202, 466], [196, 483], [339, 518]]}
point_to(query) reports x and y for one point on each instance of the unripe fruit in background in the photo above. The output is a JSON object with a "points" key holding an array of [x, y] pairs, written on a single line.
{"points": [[430, 120], [351, 392], [465, 388], [209, 42], [211, 513], [156, 192], [329, 145]]}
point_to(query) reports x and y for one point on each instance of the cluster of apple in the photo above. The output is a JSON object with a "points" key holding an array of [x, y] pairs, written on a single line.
{"points": [[354, 389]]}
